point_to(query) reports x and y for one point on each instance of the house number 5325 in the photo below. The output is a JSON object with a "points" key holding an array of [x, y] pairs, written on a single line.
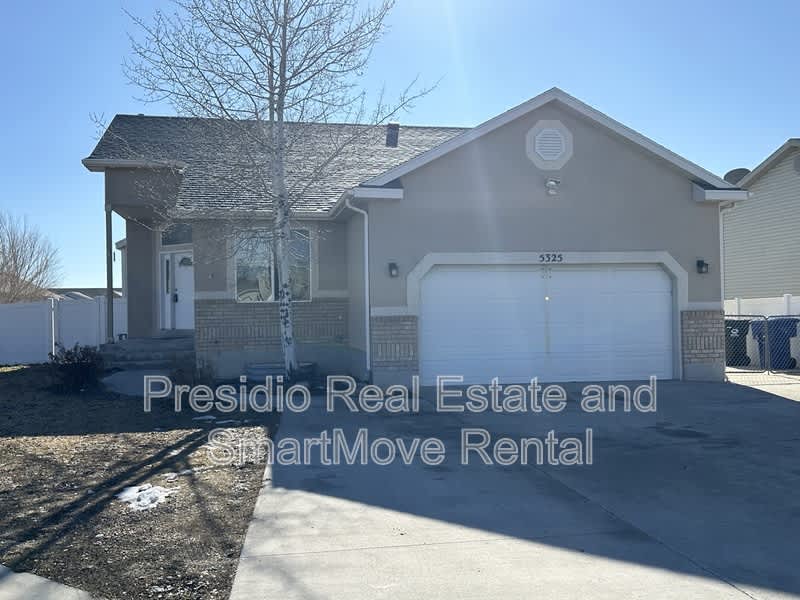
{"points": [[551, 257]]}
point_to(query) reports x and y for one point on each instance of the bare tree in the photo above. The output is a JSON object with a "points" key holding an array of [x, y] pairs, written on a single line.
{"points": [[28, 261], [267, 67]]}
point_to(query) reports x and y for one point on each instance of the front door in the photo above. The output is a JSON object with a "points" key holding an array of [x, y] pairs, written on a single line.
{"points": [[183, 291]]}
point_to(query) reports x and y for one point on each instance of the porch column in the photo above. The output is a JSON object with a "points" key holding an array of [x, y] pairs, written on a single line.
{"points": [[109, 279]]}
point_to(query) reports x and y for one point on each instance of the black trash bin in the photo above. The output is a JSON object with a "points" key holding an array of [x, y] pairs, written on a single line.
{"points": [[736, 331], [779, 331]]}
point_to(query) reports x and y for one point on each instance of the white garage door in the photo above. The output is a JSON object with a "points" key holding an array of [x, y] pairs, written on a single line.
{"points": [[566, 323]]}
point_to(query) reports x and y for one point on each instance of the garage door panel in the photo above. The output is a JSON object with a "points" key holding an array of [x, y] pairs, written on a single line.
{"points": [[560, 324], [483, 370]]}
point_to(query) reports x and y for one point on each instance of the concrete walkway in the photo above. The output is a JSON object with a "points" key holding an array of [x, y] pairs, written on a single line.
{"points": [[130, 382], [16, 586], [781, 384], [697, 501]]}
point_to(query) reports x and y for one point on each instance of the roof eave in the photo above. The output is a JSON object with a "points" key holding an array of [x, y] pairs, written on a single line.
{"points": [[362, 192], [98, 165], [704, 196]]}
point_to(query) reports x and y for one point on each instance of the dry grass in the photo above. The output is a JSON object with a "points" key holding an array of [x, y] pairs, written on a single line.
{"points": [[63, 460]]}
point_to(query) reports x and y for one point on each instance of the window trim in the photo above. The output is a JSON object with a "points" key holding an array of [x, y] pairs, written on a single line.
{"points": [[273, 300]]}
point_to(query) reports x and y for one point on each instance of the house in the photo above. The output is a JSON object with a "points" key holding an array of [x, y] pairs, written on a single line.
{"points": [[549, 241], [761, 236]]}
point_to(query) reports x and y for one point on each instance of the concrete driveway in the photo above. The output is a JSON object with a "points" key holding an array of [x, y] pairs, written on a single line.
{"points": [[699, 500]]}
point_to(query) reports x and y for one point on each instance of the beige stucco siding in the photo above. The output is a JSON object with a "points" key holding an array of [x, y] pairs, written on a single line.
{"points": [[762, 236], [331, 242], [210, 253], [141, 280], [355, 276], [489, 197], [141, 192]]}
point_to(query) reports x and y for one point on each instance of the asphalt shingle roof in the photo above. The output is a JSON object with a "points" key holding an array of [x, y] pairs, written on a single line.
{"points": [[219, 177]]}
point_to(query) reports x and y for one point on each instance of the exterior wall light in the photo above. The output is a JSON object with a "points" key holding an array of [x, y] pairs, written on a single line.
{"points": [[702, 266], [394, 271], [551, 185]]}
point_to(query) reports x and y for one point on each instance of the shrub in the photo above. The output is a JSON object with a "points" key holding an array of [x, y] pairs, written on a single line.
{"points": [[75, 369]]}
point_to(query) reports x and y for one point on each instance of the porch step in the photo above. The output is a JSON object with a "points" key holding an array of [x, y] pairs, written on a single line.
{"points": [[137, 355], [150, 345], [155, 365], [161, 353]]}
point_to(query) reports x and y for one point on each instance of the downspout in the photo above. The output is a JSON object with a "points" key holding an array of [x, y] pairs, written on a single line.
{"points": [[722, 209], [367, 309]]}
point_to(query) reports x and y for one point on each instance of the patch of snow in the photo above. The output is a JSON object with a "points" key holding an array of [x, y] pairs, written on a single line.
{"points": [[145, 497]]}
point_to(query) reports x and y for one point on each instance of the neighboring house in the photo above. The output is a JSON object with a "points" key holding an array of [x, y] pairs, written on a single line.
{"points": [[550, 241], [761, 246]]}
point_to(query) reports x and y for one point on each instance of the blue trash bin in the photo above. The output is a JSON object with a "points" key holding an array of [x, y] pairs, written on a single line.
{"points": [[779, 331], [775, 333]]}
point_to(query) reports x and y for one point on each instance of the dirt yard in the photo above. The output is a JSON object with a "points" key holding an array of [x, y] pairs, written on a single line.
{"points": [[65, 457]]}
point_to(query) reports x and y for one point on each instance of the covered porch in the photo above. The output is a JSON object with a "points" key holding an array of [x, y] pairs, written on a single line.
{"points": [[157, 262]]}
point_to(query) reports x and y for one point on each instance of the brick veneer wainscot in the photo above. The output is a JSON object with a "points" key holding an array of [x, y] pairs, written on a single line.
{"points": [[394, 342], [230, 325], [703, 336]]}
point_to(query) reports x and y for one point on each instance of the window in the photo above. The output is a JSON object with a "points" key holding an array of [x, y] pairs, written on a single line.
{"points": [[257, 272], [254, 270], [177, 233], [300, 264]]}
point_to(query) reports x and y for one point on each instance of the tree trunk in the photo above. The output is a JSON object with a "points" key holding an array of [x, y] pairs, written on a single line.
{"points": [[282, 235]]}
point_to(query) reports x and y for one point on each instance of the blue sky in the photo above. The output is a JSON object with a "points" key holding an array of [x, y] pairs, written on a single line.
{"points": [[715, 81]]}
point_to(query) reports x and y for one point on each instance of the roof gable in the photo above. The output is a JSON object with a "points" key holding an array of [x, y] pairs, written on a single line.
{"points": [[769, 162], [553, 95]]}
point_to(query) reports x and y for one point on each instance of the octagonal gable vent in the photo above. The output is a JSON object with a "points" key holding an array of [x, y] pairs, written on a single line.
{"points": [[549, 144]]}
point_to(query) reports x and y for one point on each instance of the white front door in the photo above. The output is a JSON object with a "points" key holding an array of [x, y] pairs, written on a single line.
{"points": [[568, 323], [177, 290], [183, 293]]}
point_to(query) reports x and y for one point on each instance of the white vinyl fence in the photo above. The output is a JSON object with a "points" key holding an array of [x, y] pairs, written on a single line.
{"points": [[768, 307], [30, 330]]}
